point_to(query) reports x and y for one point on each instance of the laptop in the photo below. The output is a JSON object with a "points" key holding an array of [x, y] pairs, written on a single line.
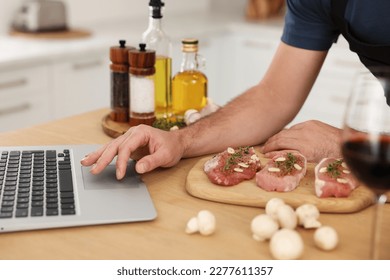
{"points": [[45, 187]]}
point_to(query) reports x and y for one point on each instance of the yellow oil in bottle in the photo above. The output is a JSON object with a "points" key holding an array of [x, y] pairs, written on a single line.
{"points": [[162, 84], [189, 91]]}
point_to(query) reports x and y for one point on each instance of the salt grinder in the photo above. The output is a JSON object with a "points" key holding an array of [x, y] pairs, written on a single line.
{"points": [[141, 73], [120, 82]]}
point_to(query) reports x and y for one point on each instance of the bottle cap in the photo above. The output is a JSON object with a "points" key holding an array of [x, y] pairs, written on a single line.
{"points": [[190, 45], [156, 3], [142, 61], [119, 57], [156, 8]]}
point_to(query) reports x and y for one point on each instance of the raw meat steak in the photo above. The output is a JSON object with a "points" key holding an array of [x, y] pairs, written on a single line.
{"points": [[232, 166], [283, 172], [333, 178]]}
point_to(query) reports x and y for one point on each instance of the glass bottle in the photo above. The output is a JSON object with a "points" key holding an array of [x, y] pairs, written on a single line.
{"points": [[141, 73], [156, 39], [189, 85]]}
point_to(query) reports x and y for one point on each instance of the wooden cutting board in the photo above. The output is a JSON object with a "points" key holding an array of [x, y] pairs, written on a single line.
{"points": [[249, 194]]}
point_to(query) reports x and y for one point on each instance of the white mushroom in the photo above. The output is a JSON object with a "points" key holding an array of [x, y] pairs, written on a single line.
{"points": [[286, 216], [263, 227], [308, 215], [286, 244], [191, 116], [210, 108], [272, 205], [204, 223], [326, 238]]}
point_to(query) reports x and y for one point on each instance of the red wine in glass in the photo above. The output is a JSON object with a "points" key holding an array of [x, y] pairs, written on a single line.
{"points": [[369, 161], [366, 138]]}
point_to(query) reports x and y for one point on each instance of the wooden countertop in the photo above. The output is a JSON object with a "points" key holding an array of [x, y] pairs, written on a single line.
{"points": [[164, 238]]}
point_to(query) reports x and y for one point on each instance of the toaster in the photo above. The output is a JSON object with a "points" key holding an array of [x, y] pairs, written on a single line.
{"points": [[40, 16]]}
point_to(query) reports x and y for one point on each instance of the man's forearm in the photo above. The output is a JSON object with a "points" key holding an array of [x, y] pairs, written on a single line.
{"points": [[247, 120]]}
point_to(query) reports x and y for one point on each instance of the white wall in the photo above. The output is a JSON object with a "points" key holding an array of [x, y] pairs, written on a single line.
{"points": [[7, 10], [81, 12]]}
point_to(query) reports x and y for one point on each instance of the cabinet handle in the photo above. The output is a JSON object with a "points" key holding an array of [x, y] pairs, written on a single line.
{"points": [[12, 84], [86, 65], [257, 44], [15, 108]]}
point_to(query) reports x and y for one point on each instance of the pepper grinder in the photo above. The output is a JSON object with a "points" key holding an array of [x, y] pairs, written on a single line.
{"points": [[120, 82], [141, 73]]}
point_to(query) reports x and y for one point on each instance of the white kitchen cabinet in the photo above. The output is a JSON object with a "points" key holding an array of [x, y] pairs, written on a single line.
{"points": [[327, 100], [253, 55], [81, 84], [246, 58], [24, 97]]}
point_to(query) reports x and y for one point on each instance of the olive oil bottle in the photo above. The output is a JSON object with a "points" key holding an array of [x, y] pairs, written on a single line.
{"points": [[156, 39], [189, 85], [163, 96]]}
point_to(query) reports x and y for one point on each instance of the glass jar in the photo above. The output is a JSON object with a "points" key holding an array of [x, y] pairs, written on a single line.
{"points": [[189, 85]]}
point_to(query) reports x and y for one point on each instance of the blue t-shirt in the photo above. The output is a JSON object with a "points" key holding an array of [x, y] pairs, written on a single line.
{"points": [[309, 24]]}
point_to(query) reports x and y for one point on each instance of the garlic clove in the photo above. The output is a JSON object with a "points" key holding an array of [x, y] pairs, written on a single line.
{"points": [[192, 225], [191, 116], [206, 222], [210, 108]]}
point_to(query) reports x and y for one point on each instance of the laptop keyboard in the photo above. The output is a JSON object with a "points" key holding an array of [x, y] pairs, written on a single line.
{"points": [[36, 183]]}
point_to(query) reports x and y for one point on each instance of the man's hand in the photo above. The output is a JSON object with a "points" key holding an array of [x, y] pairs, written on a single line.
{"points": [[162, 149], [314, 139]]}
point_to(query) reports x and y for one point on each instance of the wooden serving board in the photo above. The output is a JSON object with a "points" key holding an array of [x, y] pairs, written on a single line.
{"points": [[249, 194], [112, 128]]}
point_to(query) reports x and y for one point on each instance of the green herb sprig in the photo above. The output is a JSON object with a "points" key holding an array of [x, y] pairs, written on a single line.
{"points": [[288, 165], [333, 169], [232, 159], [167, 124]]}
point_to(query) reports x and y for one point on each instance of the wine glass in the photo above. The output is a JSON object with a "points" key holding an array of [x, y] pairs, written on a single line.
{"points": [[366, 138]]}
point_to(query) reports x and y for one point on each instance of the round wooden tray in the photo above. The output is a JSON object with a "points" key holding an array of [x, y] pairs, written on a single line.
{"points": [[112, 128], [66, 34]]}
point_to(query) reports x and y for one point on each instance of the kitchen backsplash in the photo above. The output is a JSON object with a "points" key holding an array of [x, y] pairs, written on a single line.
{"points": [[86, 12]]}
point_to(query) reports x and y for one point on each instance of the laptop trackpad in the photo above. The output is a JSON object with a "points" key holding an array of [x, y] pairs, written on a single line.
{"points": [[107, 178]]}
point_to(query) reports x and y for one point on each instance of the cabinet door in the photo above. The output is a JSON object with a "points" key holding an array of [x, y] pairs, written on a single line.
{"points": [[247, 58], [330, 93], [81, 84], [24, 97]]}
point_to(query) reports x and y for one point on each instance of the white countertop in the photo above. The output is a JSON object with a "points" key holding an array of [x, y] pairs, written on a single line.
{"points": [[17, 51]]}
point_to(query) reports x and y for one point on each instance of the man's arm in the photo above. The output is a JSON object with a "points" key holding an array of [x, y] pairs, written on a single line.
{"points": [[249, 119], [263, 110]]}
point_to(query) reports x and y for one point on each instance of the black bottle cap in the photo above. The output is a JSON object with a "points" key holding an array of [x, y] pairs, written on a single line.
{"points": [[156, 3], [122, 43], [156, 8]]}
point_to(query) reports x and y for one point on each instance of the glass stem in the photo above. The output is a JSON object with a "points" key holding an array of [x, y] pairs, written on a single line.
{"points": [[376, 233]]}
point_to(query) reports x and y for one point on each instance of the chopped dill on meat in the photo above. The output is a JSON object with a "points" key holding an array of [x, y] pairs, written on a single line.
{"points": [[288, 165], [333, 169], [232, 159]]}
